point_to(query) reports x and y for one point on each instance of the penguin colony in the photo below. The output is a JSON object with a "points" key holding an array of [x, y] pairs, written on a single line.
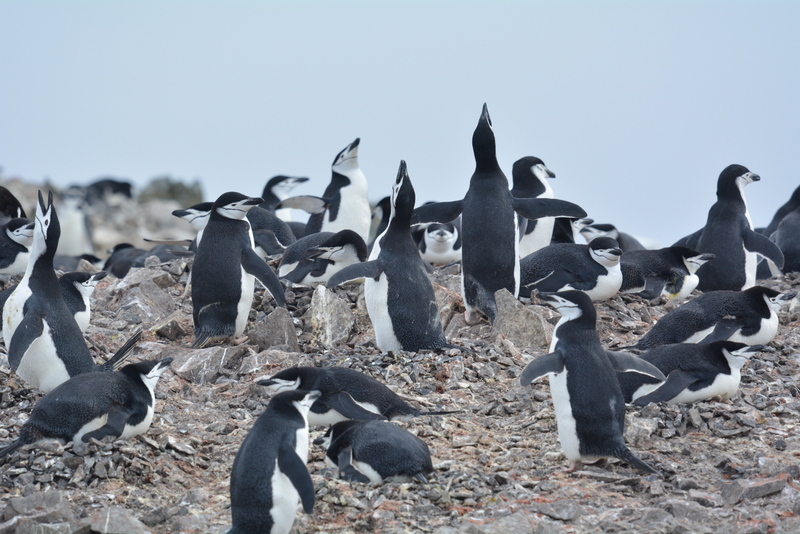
{"points": [[521, 239]]}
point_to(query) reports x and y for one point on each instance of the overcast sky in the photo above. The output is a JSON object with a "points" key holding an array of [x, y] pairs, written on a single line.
{"points": [[636, 106]]}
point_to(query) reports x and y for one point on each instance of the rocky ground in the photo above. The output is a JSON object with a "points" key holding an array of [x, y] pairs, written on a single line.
{"points": [[728, 466]]}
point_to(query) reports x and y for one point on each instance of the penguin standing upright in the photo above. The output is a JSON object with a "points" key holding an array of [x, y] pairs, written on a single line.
{"points": [[16, 237], [787, 237], [398, 293], [344, 204], [729, 235], [224, 271], [269, 475], [749, 316], [530, 175], [77, 289], [276, 189], [77, 235], [346, 394], [372, 451], [490, 251], [92, 406], [45, 344], [590, 410]]}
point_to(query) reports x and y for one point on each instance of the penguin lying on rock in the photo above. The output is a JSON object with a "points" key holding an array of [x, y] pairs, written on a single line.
{"points": [[316, 257], [345, 394], [669, 271], [694, 371], [95, 405], [372, 451]]}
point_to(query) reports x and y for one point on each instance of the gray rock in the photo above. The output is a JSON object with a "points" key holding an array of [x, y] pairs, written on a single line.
{"points": [[27, 525], [45, 506], [562, 509], [519, 324], [739, 490], [276, 329], [329, 317], [116, 520], [146, 303], [202, 366], [516, 523]]}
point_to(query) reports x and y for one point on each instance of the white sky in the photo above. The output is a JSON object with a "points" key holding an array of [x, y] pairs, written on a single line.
{"points": [[636, 106]]}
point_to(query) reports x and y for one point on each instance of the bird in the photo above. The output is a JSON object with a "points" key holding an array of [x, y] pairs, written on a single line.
{"points": [[529, 176], [627, 242], [749, 316], [120, 404], [593, 268], [372, 451], [490, 233], [345, 394], [316, 257], [399, 295], [16, 237], [277, 189], [224, 271], [440, 243], [670, 271], [269, 475], [588, 403]]}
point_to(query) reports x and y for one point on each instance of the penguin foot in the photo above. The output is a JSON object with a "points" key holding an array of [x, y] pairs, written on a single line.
{"points": [[239, 340], [574, 465], [472, 318]]}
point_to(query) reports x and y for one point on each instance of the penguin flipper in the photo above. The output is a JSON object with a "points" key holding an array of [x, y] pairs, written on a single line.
{"points": [[723, 330], [116, 361], [625, 362], [296, 471], [307, 203], [653, 286], [364, 269], [346, 469], [29, 329], [267, 240], [543, 365], [118, 415], [534, 208], [441, 212], [677, 381], [554, 281], [760, 244], [342, 402], [253, 264], [303, 269]]}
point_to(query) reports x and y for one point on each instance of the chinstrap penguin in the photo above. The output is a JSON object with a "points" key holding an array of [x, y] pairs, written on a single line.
{"points": [[669, 271], [316, 257], [16, 238], [529, 176]]}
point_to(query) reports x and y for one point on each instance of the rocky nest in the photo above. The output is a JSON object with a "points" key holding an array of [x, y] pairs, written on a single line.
{"points": [[728, 466]]}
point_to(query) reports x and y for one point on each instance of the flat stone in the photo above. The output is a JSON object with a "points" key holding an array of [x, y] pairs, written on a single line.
{"points": [[202, 366], [516, 523], [116, 520], [47, 506], [563, 509], [520, 325], [740, 490], [276, 329]]}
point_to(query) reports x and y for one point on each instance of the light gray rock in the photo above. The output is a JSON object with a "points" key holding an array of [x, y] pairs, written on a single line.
{"points": [[117, 520], [329, 317], [45, 506], [202, 366], [276, 329], [520, 325]]}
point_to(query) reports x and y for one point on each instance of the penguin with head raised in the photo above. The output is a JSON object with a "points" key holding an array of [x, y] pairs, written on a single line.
{"points": [[224, 271], [344, 204], [16, 237], [530, 178], [749, 316], [45, 344], [490, 233], [372, 451], [400, 300], [588, 403], [729, 235], [345, 394], [694, 371], [593, 269], [95, 405], [269, 476]]}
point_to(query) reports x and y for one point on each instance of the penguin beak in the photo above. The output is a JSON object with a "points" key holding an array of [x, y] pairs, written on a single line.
{"points": [[267, 382], [788, 296], [165, 362], [99, 276], [254, 201], [319, 441], [180, 213]]}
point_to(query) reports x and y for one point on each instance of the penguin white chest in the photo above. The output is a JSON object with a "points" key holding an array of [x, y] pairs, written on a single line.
{"points": [[18, 266], [724, 385], [376, 295], [12, 310], [40, 366], [567, 431], [285, 499], [245, 301], [750, 266], [354, 212], [607, 284], [765, 334], [689, 284]]}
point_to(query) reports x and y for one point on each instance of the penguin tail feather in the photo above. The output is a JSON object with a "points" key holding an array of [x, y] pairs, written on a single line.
{"points": [[628, 457], [444, 412], [24, 439], [201, 339], [116, 361]]}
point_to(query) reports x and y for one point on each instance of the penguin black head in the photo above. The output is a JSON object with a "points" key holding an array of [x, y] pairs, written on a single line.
{"points": [[340, 240], [20, 230], [84, 282], [570, 304], [483, 143], [347, 158], [9, 205], [605, 251], [196, 215], [287, 380], [232, 205], [403, 197], [774, 299], [736, 353], [281, 185], [47, 229], [732, 180], [148, 371], [692, 259], [336, 431], [529, 175], [298, 399]]}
